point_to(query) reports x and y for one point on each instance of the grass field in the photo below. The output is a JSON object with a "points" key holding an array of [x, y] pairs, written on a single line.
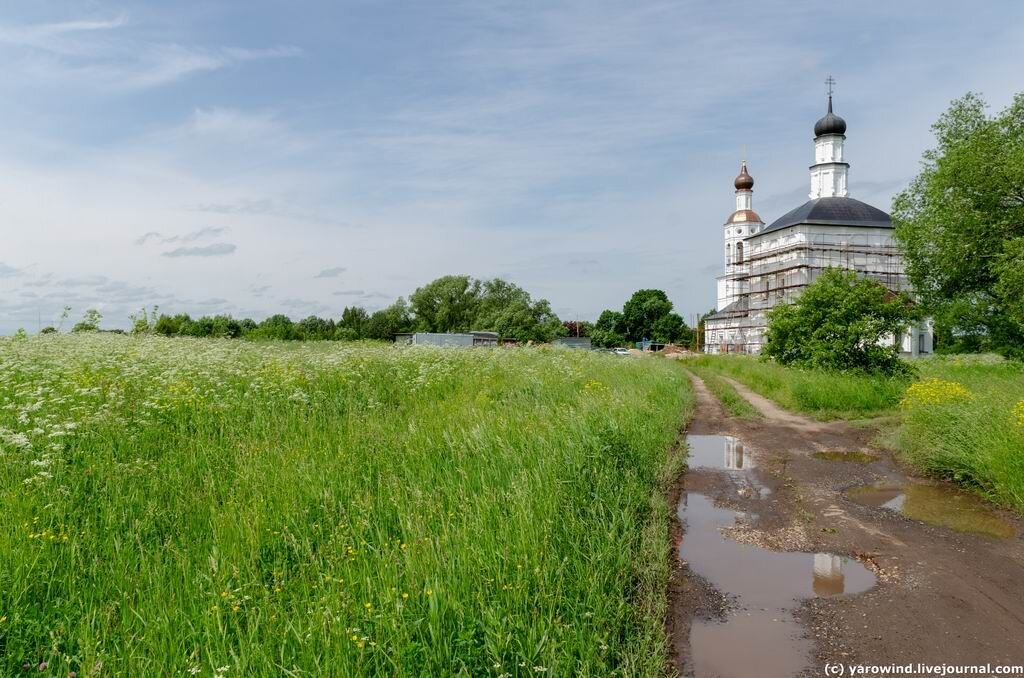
{"points": [[219, 508], [960, 418]]}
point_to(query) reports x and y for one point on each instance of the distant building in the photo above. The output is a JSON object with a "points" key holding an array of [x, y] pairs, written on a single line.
{"points": [[582, 343], [464, 339], [770, 265]]}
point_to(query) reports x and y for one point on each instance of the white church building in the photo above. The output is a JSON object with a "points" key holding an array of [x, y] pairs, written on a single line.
{"points": [[770, 265]]}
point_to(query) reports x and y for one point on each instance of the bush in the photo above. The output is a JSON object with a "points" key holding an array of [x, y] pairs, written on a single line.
{"points": [[842, 321]]}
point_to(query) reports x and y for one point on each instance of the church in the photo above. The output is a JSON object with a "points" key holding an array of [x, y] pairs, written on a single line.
{"points": [[770, 265]]}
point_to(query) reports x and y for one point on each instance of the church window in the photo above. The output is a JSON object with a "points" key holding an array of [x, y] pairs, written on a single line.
{"points": [[739, 253]]}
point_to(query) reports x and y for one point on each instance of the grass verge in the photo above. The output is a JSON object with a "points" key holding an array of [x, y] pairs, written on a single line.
{"points": [[823, 395], [726, 393], [964, 421]]}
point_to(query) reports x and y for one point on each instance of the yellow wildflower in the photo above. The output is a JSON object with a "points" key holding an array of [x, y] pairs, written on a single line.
{"points": [[935, 392], [1018, 412]]}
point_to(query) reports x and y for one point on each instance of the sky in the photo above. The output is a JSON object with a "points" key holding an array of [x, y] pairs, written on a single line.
{"points": [[260, 157]]}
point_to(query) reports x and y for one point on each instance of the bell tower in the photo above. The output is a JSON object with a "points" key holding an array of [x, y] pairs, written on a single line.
{"points": [[828, 173], [740, 224]]}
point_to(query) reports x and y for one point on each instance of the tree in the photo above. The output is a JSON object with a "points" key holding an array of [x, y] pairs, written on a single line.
{"points": [[353, 323], [647, 315], [578, 328], [841, 321], [642, 313], [961, 225], [671, 329], [90, 322], [315, 328], [459, 303], [277, 326], [607, 330], [170, 326], [386, 323], [448, 304], [507, 309]]}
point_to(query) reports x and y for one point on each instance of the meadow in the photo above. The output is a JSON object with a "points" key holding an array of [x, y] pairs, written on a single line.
{"points": [[218, 508], [959, 418]]}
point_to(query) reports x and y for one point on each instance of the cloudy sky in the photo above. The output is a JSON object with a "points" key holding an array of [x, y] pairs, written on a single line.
{"points": [[258, 157]]}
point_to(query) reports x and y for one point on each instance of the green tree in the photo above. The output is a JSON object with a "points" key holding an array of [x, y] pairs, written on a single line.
{"points": [[607, 331], [353, 322], [961, 225], [448, 304], [277, 326], [842, 321], [170, 326], [642, 313], [90, 322], [315, 328], [387, 322], [507, 309]]}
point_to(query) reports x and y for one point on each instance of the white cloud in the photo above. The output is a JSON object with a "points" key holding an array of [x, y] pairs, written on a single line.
{"points": [[99, 53], [218, 249]]}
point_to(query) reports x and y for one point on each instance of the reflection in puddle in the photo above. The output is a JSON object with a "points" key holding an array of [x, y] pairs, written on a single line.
{"points": [[938, 505], [724, 452], [840, 455], [761, 637]]}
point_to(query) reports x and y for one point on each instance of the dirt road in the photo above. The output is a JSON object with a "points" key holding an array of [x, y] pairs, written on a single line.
{"points": [[938, 596]]}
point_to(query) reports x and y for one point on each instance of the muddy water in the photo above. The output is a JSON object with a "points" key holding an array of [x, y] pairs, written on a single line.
{"points": [[938, 505], [725, 452], [760, 636]]}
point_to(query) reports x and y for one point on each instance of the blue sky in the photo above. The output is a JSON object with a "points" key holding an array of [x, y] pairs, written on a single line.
{"points": [[261, 157]]}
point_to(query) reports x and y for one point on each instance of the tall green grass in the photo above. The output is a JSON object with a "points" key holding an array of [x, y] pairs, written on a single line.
{"points": [[176, 506], [973, 435], [824, 395]]}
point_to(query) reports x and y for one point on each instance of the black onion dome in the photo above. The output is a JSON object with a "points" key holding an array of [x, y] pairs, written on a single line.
{"points": [[830, 124], [744, 182]]}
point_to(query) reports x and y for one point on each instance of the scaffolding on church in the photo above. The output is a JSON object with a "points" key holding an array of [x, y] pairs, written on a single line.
{"points": [[778, 270]]}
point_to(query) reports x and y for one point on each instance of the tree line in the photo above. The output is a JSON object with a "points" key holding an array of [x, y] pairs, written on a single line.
{"points": [[453, 303]]}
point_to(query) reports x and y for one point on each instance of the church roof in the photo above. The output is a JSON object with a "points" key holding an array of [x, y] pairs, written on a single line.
{"points": [[832, 212], [744, 216], [736, 308]]}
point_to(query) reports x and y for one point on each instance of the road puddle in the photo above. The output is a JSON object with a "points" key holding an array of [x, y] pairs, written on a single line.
{"points": [[936, 504], [724, 452], [760, 636], [841, 455]]}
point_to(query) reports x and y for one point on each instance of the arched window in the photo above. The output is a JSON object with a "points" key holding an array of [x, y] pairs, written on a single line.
{"points": [[728, 253], [739, 253]]}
